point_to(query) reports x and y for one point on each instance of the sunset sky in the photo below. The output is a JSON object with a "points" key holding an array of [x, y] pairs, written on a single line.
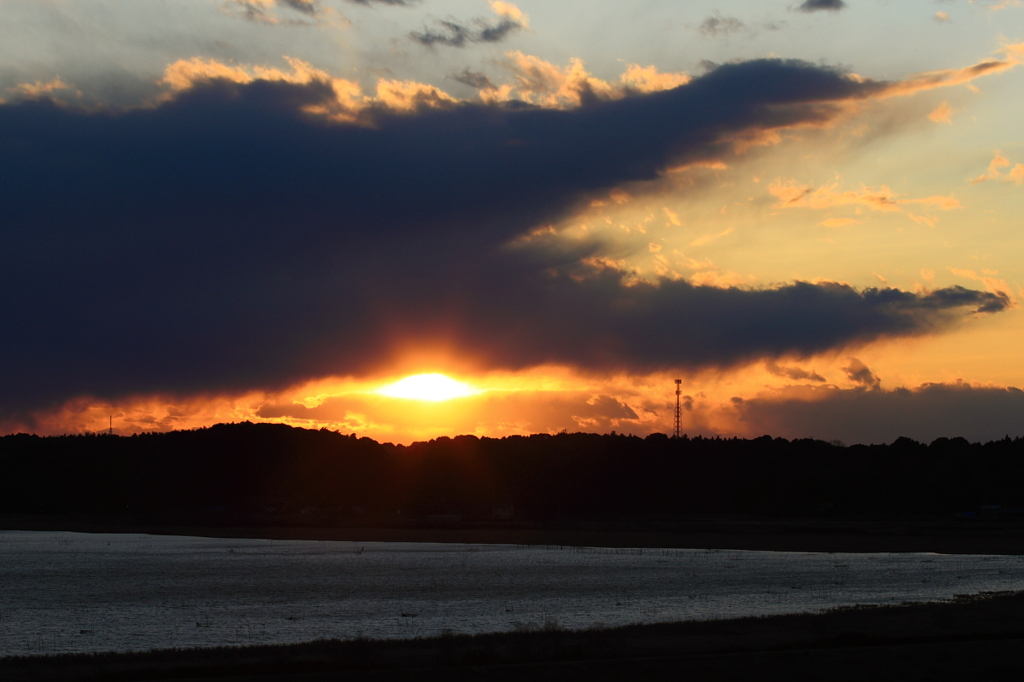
{"points": [[273, 210]]}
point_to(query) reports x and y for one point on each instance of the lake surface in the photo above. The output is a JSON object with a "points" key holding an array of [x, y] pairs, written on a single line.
{"points": [[75, 592]]}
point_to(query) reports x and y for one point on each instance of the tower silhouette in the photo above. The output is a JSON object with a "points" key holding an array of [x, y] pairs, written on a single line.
{"points": [[677, 431]]}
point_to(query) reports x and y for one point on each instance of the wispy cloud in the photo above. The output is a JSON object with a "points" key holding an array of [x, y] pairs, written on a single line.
{"points": [[475, 79], [821, 5], [263, 11], [996, 5], [991, 282], [942, 114], [717, 25], [995, 171], [793, 194], [40, 89], [452, 33], [793, 373], [297, 12], [1012, 56]]}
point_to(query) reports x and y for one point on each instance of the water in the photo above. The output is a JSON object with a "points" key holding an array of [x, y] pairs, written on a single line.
{"points": [[74, 592]]}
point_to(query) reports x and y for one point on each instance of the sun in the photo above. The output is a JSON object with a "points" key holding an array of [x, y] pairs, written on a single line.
{"points": [[429, 387]]}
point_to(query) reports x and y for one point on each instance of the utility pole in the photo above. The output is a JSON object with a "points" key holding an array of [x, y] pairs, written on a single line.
{"points": [[678, 430]]}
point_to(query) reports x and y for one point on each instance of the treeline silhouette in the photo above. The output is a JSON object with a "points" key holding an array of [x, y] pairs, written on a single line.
{"points": [[274, 471]]}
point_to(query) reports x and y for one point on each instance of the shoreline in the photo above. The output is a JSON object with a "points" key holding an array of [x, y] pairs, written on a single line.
{"points": [[974, 637], [705, 532]]}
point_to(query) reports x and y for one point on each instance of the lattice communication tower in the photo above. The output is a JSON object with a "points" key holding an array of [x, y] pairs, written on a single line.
{"points": [[677, 431]]}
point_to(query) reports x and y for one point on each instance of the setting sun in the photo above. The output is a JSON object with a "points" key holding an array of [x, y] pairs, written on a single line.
{"points": [[431, 387]]}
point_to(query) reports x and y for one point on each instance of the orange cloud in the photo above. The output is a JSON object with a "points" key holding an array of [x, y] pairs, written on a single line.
{"points": [[706, 164], [510, 11], [720, 280], [994, 171], [142, 414], [745, 140], [693, 263], [545, 399], [40, 89], [942, 114], [649, 79], [1013, 55], [349, 96], [987, 277], [410, 95], [839, 222], [619, 196], [997, 162], [1003, 4], [749, 402], [185, 73], [792, 194], [542, 82], [942, 203]]}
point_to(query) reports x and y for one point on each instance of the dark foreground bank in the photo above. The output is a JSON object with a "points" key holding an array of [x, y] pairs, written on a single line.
{"points": [[977, 638]]}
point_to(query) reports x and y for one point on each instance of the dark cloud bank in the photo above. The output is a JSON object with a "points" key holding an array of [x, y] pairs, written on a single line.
{"points": [[868, 415], [225, 240]]}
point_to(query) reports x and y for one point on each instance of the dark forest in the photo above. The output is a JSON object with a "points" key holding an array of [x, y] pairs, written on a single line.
{"points": [[272, 473]]}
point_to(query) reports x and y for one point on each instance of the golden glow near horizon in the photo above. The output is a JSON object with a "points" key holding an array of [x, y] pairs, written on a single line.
{"points": [[429, 387]]}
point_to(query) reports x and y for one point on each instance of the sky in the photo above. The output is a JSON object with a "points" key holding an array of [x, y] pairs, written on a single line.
{"points": [[811, 213]]}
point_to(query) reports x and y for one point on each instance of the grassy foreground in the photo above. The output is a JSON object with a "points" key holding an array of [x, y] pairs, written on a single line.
{"points": [[969, 638]]}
